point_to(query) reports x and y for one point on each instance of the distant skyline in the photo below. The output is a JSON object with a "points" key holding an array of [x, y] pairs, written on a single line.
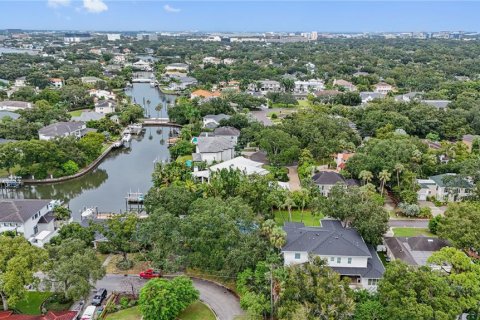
{"points": [[241, 16]]}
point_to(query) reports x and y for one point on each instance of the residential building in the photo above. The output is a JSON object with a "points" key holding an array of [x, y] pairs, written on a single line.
{"points": [[348, 86], [56, 82], [20, 82], [407, 97], [9, 105], [113, 36], [9, 114], [413, 251], [32, 218], [342, 158], [76, 37], [177, 67], [370, 96], [105, 106], [447, 187], [244, 165], [308, 86], [383, 87], [204, 95], [141, 65], [212, 60], [468, 140], [102, 94], [343, 249], [90, 80], [229, 61], [62, 129], [212, 121], [439, 104], [326, 180], [181, 82], [265, 86], [227, 132], [214, 149]]}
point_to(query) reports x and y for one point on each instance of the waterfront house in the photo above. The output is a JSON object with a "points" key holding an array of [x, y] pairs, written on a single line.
{"points": [[326, 180], [444, 187], [142, 66], [33, 218], [62, 129], [343, 249], [244, 165], [9, 105], [214, 149], [265, 86], [105, 106], [89, 116], [212, 121], [204, 95], [308, 86], [102, 94], [181, 82]]}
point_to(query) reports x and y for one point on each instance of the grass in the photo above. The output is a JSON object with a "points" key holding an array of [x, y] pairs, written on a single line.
{"points": [[76, 113], [182, 159], [412, 232], [197, 311], [383, 256], [32, 302], [58, 306], [303, 103], [309, 219]]}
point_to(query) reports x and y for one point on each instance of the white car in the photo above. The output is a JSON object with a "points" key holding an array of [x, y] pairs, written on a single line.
{"points": [[89, 313]]}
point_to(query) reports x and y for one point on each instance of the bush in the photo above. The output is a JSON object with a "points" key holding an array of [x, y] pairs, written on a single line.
{"points": [[409, 210], [124, 302], [425, 212], [274, 116], [124, 264], [433, 224], [104, 248]]}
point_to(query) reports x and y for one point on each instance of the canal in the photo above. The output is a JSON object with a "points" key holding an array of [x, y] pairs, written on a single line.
{"points": [[122, 171]]}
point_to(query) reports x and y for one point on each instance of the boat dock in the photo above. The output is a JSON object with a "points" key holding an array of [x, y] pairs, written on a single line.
{"points": [[12, 182], [135, 197]]}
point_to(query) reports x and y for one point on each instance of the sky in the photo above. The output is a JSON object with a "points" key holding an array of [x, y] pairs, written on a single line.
{"points": [[241, 16]]}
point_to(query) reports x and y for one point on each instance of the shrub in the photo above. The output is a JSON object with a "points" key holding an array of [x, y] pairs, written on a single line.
{"points": [[433, 224], [274, 116], [104, 248], [124, 302], [409, 210], [124, 264], [425, 212]]}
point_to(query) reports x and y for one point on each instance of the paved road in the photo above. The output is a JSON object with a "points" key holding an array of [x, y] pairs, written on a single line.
{"points": [[223, 303], [408, 223], [261, 115]]}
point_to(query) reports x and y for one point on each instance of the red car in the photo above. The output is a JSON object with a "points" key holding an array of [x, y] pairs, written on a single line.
{"points": [[149, 274]]}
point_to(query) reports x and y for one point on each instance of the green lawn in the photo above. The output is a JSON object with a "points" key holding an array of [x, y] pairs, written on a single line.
{"points": [[382, 256], [310, 220], [182, 159], [32, 302], [76, 113], [196, 311], [412, 232]]}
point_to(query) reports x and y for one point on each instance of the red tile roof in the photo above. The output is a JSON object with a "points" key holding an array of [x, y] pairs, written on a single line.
{"points": [[51, 315]]}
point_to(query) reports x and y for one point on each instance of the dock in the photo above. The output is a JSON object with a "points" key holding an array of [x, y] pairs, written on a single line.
{"points": [[135, 197], [12, 182], [159, 122]]}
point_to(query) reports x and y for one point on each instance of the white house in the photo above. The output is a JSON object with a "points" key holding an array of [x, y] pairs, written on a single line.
{"points": [[444, 187], [90, 80], [326, 180], [20, 82], [102, 94], [9, 105], [383, 87], [265, 86], [62, 129], [367, 96], [212, 60], [32, 218], [308, 86], [343, 249], [348, 86], [105, 106], [177, 67], [212, 121], [244, 165], [214, 149], [142, 65]]}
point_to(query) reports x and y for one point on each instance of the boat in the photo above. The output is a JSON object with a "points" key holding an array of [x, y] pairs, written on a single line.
{"points": [[152, 84], [135, 197], [88, 213], [12, 182], [135, 128], [118, 144], [127, 137]]}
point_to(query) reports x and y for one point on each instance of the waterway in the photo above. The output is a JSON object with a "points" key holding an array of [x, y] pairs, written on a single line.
{"points": [[122, 171]]}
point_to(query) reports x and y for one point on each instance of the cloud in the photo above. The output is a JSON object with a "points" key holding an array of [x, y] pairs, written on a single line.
{"points": [[95, 6], [58, 3], [169, 8]]}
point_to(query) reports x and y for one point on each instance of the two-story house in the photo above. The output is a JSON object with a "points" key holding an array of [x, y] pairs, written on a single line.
{"points": [[105, 106], [326, 180], [308, 86], [214, 149], [444, 187], [227, 132], [383, 87], [265, 86], [32, 218], [62, 129], [344, 250]]}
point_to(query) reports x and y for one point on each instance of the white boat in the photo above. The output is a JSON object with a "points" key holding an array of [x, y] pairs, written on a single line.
{"points": [[88, 213], [127, 137], [152, 84]]}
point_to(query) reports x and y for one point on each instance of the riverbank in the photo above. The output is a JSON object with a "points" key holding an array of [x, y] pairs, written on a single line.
{"points": [[80, 173]]}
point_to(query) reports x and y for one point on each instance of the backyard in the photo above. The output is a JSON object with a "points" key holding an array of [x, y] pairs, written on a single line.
{"points": [[412, 232], [309, 219], [32, 302]]}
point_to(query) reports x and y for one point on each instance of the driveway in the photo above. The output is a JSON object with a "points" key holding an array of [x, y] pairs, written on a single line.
{"points": [[408, 223], [293, 179], [225, 305], [261, 115], [435, 210]]}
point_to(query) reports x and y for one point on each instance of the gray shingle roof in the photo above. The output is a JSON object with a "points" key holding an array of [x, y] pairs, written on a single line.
{"points": [[439, 104], [89, 115], [214, 144], [9, 114], [451, 180], [60, 128], [374, 269], [331, 178], [15, 104], [227, 131], [330, 239], [20, 210], [217, 117]]}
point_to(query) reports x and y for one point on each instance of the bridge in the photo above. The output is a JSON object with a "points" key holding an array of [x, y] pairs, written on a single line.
{"points": [[159, 122], [142, 80]]}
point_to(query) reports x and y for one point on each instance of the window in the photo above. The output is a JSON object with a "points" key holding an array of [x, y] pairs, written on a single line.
{"points": [[349, 260], [339, 260], [372, 282], [332, 259], [297, 255]]}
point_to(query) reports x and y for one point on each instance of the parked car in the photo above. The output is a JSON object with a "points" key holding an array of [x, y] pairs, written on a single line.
{"points": [[99, 297], [88, 313], [149, 274]]}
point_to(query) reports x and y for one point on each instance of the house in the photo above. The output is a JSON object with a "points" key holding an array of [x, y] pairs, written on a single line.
{"points": [[9, 105], [142, 65], [407, 97], [439, 104], [181, 82], [212, 60], [265, 86], [89, 116], [413, 251], [204, 95], [308, 86], [56, 82], [468, 140], [9, 114], [367, 96], [20, 82], [102, 94], [244, 165], [212, 121], [177, 67], [227, 132], [361, 74], [62, 129], [343, 249], [444, 187], [326, 180], [383, 87], [326, 94], [90, 80], [32, 218], [105, 106], [342, 158], [229, 61], [50, 315], [348, 86], [210, 149]]}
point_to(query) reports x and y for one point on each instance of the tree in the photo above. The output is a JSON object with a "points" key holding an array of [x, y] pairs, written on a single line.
{"points": [[384, 177], [287, 84], [161, 299], [120, 232], [62, 213], [398, 169], [459, 225], [365, 176], [288, 203], [74, 231], [281, 147], [318, 290], [181, 148], [19, 260], [73, 268]]}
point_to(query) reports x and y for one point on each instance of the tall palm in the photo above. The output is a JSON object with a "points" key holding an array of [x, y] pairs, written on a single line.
{"points": [[288, 203], [384, 177], [366, 176], [399, 169]]}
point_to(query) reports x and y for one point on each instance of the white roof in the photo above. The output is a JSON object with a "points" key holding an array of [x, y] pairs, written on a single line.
{"points": [[42, 235], [243, 164]]}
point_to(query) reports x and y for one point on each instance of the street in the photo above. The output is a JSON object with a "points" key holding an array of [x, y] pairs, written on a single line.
{"points": [[410, 223]]}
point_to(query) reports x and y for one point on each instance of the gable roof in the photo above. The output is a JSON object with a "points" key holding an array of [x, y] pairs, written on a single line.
{"points": [[329, 239], [205, 93], [216, 117], [439, 104], [450, 180], [213, 144], [20, 210], [61, 128], [331, 178], [226, 131], [89, 115]]}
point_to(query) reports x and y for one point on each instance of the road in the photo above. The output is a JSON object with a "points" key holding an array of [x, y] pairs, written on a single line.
{"points": [[225, 305], [410, 223]]}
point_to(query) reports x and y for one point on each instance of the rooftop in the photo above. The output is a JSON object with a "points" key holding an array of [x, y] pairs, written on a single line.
{"points": [[20, 210], [414, 250], [226, 131], [331, 178], [61, 128], [213, 144]]}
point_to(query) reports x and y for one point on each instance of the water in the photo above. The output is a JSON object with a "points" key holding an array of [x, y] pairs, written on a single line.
{"points": [[122, 171], [16, 50]]}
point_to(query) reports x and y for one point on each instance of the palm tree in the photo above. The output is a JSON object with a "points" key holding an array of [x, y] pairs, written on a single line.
{"points": [[399, 168], [384, 177], [288, 204], [287, 84], [366, 176]]}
